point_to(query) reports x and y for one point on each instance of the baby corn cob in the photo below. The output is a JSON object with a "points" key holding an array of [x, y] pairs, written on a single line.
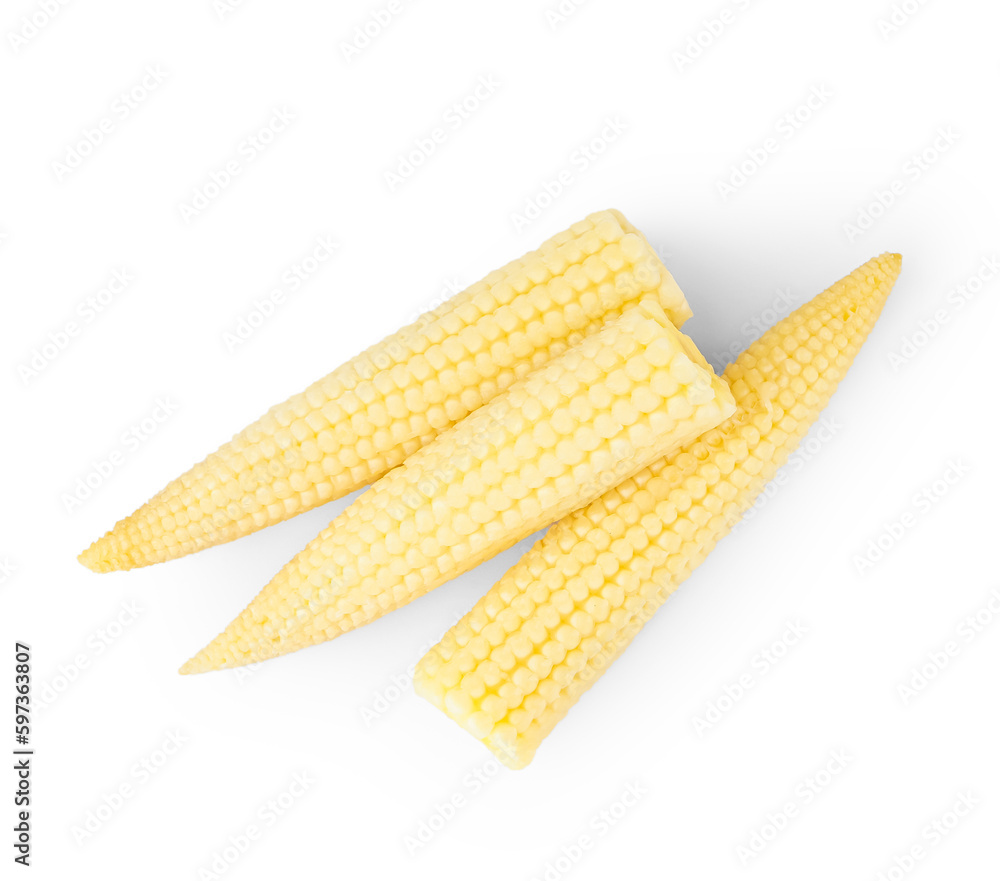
{"points": [[515, 665], [363, 419], [551, 443]]}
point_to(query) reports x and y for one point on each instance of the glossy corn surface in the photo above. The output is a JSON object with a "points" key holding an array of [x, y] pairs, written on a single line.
{"points": [[515, 665], [548, 445], [365, 417]]}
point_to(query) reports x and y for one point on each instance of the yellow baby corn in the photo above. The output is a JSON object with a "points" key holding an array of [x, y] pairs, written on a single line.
{"points": [[355, 424], [552, 442], [515, 665]]}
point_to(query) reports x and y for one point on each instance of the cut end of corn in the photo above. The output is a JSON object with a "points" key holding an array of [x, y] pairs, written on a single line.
{"points": [[553, 442], [512, 668], [367, 416]]}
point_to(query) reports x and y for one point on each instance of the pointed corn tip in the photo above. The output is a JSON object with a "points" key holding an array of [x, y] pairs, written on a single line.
{"points": [[219, 655], [871, 283], [201, 662], [94, 559], [107, 555], [891, 264], [894, 261]]}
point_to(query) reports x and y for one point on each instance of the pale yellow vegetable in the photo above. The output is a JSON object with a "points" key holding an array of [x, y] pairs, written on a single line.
{"points": [[552, 442], [355, 424], [515, 665]]}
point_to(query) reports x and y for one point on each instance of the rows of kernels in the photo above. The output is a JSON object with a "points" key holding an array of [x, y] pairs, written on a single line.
{"points": [[366, 416], [581, 593], [503, 472]]}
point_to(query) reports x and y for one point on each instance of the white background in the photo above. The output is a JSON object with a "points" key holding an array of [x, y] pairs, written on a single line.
{"points": [[780, 238]]}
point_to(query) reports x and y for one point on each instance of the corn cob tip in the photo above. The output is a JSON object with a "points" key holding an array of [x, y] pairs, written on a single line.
{"points": [[221, 654], [197, 664], [868, 287], [205, 661], [873, 281], [99, 557], [194, 665], [892, 264], [892, 259]]}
